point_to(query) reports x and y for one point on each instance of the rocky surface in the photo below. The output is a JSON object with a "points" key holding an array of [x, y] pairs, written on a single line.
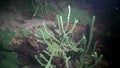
{"points": [[16, 21]]}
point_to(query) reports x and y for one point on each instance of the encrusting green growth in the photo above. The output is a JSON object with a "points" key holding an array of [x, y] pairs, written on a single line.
{"points": [[8, 58], [83, 16], [61, 43]]}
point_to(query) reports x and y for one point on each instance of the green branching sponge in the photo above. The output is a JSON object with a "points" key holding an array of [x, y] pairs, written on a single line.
{"points": [[60, 44], [40, 7]]}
